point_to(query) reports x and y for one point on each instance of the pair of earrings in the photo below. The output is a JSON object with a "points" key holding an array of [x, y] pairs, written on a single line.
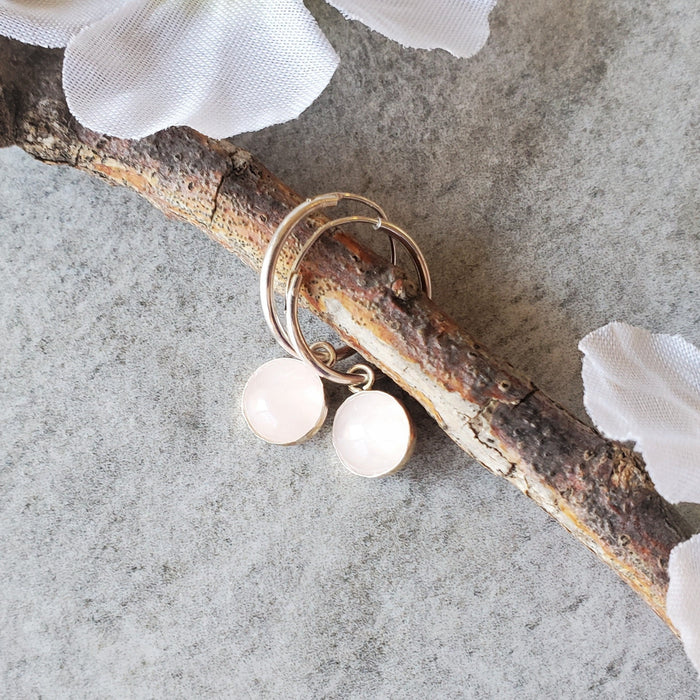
{"points": [[284, 401]]}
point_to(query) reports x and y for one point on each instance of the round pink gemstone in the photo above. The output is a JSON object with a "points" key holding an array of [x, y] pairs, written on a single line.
{"points": [[283, 401], [372, 434]]}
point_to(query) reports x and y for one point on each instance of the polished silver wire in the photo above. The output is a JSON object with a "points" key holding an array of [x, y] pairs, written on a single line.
{"points": [[274, 249], [293, 331]]}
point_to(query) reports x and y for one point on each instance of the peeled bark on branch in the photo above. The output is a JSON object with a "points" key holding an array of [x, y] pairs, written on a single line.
{"points": [[596, 488]]}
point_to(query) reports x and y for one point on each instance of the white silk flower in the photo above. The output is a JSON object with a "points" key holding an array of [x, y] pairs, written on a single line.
{"points": [[645, 387], [133, 67]]}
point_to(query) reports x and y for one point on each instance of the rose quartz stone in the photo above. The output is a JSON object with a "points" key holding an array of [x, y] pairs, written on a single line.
{"points": [[283, 401], [372, 434]]}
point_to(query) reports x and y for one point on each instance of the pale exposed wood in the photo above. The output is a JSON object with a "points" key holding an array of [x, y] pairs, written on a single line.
{"points": [[596, 488]]}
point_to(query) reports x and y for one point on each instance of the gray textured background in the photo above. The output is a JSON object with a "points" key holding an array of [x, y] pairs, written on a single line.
{"points": [[151, 547]]}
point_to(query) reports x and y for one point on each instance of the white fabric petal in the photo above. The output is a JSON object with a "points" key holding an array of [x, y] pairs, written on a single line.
{"points": [[683, 599], [220, 66], [51, 23], [645, 387], [460, 26]]}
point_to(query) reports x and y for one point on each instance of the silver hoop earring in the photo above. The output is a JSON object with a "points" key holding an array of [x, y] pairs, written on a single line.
{"points": [[284, 402]]}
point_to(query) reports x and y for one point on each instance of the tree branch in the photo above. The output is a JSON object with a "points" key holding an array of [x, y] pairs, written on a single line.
{"points": [[596, 488]]}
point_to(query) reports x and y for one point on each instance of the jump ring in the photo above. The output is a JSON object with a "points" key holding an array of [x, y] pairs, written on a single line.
{"points": [[325, 353], [368, 382]]}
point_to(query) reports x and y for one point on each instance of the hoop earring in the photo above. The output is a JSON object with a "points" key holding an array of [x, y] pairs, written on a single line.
{"points": [[284, 402]]}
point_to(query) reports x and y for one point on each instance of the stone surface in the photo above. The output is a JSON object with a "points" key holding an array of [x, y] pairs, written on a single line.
{"points": [[153, 547], [283, 401], [372, 434]]}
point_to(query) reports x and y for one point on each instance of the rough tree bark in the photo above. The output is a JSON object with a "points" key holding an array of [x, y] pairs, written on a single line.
{"points": [[596, 488]]}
